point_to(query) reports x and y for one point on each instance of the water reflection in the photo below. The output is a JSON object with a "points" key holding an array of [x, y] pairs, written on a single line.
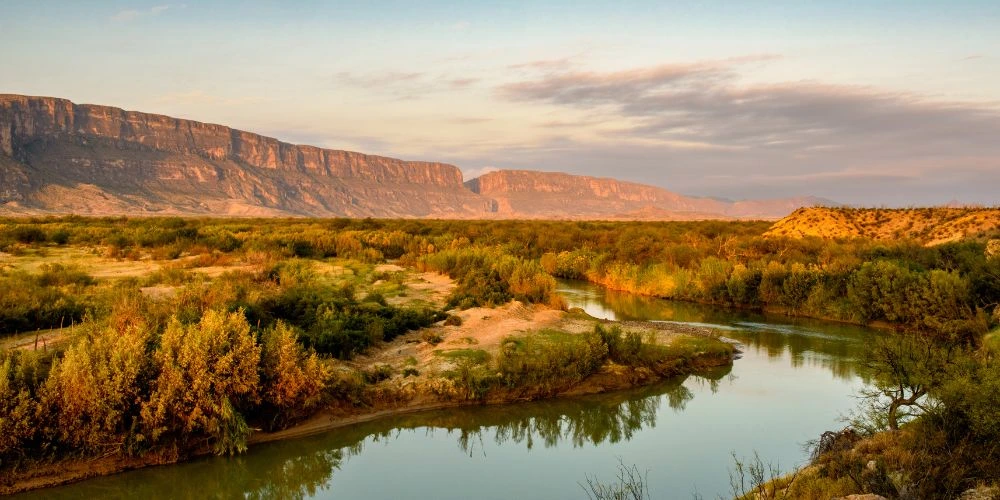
{"points": [[795, 379], [305, 467], [832, 346]]}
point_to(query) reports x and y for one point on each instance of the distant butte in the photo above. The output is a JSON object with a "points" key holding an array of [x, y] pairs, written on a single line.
{"points": [[57, 157]]}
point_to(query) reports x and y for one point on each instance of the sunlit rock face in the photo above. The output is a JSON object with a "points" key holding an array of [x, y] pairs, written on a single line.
{"points": [[528, 193], [81, 158], [61, 157]]}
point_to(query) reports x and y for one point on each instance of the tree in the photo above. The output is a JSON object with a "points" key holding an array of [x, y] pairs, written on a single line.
{"points": [[292, 379], [206, 370], [905, 369], [93, 393]]}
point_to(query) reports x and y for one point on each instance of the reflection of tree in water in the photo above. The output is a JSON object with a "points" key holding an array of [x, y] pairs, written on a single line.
{"points": [[292, 469], [607, 418], [304, 467], [829, 345]]}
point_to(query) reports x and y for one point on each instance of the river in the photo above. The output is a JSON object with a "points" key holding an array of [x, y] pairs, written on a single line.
{"points": [[796, 378]]}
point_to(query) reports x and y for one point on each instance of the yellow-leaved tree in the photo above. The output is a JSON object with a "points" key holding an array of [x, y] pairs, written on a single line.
{"points": [[207, 370], [92, 395], [292, 379]]}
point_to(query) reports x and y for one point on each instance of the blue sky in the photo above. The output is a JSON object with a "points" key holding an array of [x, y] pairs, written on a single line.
{"points": [[876, 103]]}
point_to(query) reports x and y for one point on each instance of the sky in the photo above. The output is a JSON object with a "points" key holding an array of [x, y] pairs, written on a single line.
{"points": [[876, 103]]}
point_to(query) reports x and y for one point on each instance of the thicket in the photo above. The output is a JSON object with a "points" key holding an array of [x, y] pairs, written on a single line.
{"points": [[928, 428], [547, 361], [138, 382], [949, 289], [56, 296], [948, 294], [490, 277]]}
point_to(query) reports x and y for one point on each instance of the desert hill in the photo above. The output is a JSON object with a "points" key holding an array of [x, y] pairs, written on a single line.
{"points": [[929, 225], [526, 193], [57, 157]]}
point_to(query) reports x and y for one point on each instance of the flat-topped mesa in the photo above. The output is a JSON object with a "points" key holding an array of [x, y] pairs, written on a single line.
{"points": [[529, 181], [528, 192], [26, 119]]}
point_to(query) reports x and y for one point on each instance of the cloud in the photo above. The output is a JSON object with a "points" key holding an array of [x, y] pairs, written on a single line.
{"points": [[705, 106], [201, 98], [470, 120], [126, 15], [562, 63], [462, 82], [472, 173], [757, 173], [403, 85], [132, 14], [379, 79]]}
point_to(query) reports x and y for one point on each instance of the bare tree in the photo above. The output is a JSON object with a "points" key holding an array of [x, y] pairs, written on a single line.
{"points": [[631, 485]]}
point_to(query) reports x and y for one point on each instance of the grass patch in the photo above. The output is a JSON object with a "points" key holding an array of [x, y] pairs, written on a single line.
{"points": [[548, 359], [689, 347], [991, 341], [475, 356]]}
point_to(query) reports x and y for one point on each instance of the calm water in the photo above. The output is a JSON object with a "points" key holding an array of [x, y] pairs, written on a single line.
{"points": [[794, 381]]}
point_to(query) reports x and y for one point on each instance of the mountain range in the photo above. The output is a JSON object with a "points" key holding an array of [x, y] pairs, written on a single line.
{"points": [[57, 157]]}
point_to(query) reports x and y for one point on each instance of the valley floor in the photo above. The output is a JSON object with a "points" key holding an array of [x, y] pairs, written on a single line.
{"points": [[418, 371]]}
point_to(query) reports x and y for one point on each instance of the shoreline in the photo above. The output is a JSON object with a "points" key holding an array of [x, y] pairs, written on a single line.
{"points": [[610, 378], [775, 310]]}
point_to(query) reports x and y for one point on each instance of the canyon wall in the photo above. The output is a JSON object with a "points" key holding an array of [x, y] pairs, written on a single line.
{"points": [[59, 157], [155, 163]]}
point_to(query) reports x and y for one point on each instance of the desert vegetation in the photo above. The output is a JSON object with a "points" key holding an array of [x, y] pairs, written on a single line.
{"points": [[265, 318], [163, 338]]}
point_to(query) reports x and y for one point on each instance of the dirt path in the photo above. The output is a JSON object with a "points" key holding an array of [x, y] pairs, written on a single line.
{"points": [[41, 340]]}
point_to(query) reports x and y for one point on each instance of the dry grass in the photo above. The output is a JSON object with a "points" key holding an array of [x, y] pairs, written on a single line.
{"points": [[931, 226]]}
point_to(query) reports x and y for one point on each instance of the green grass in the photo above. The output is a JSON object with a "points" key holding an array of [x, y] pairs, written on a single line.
{"points": [[691, 346], [992, 341], [474, 356]]}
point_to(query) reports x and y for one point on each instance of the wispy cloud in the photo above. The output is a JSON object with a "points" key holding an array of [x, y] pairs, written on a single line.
{"points": [[403, 85], [462, 82], [382, 79], [202, 98], [132, 14], [472, 173], [706, 103]]}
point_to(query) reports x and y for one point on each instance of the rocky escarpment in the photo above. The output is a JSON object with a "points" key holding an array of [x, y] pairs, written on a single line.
{"points": [[61, 156], [527, 193]]}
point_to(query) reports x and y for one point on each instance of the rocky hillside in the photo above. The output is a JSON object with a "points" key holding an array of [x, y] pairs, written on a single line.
{"points": [[58, 157], [929, 225], [63, 157], [525, 193]]}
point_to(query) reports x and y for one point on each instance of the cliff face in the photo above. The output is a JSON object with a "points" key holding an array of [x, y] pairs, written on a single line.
{"points": [[169, 164], [61, 157], [24, 120], [525, 193]]}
